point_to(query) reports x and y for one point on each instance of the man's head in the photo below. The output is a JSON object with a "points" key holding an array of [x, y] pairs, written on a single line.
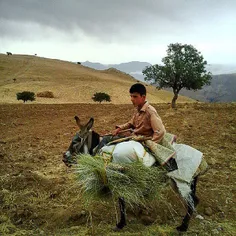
{"points": [[138, 95]]}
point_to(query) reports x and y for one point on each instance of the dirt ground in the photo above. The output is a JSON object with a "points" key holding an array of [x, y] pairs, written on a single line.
{"points": [[39, 195]]}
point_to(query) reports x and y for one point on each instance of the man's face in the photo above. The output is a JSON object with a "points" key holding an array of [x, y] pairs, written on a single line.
{"points": [[137, 99]]}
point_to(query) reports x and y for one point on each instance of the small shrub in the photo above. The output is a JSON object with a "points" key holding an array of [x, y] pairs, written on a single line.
{"points": [[99, 97], [46, 94], [26, 96]]}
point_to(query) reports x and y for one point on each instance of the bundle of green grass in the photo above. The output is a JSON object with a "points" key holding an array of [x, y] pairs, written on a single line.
{"points": [[100, 179]]}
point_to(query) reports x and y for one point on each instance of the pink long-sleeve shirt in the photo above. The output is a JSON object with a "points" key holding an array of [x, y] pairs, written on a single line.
{"points": [[146, 122]]}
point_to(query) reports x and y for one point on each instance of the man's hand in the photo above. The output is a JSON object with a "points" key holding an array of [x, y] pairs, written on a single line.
{"points": [[116, 131]]}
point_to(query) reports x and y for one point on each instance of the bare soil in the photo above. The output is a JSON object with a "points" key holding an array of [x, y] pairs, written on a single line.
{"points": [[39, 195]]}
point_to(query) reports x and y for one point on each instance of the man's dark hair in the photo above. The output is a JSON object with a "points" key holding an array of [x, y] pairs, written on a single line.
{"points": [[138, 88]]}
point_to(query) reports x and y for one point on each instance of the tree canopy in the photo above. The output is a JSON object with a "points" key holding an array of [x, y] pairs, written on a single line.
{"points": [[99, 97], [26, 96], [183, 67]]}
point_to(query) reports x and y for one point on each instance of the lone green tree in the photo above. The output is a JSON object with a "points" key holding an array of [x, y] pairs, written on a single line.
{"points": [[184, 67], [99, 97], [26, 96]]}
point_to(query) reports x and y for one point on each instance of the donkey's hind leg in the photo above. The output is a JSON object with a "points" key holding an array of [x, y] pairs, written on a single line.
{"points": [[122, 222], [185, 222]]}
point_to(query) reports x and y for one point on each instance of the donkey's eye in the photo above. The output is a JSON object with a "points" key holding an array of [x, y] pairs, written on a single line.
{"points": [[76, 139]]}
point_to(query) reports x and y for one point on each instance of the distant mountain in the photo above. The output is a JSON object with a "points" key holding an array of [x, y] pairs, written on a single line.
{"points": [[95, 65], [138, 75], [221, 89], [127, 67], [215, 69], [219, 69], [134, 68]]}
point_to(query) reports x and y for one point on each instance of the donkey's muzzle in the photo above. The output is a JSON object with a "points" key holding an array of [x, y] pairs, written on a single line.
{"points": [[67, 158]]}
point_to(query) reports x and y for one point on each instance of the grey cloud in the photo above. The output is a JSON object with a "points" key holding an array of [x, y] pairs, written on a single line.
{"points": [[107, 18], [91, 16]]}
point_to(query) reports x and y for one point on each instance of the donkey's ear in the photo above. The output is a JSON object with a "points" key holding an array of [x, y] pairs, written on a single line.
{"points": [[89, 125], [77, 119]]}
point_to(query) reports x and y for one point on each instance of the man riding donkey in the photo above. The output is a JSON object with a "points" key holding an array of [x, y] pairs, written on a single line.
{"points": [[146, 127], [183, 163]]}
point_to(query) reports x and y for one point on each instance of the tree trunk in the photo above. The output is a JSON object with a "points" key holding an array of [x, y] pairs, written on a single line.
{"points": [[173, 103]]}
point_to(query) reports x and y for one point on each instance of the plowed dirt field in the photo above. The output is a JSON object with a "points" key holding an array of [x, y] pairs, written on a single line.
{"points": [[39, 195]]}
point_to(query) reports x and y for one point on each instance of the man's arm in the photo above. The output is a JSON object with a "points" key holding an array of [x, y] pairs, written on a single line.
{"points": [[124, 126], [157, 127]]}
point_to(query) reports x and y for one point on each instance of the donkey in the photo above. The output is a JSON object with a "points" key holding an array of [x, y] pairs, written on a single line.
{"points": [[83, 142], [86, 140]]}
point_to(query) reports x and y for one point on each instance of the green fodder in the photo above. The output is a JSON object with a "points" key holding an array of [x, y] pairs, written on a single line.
{"points": [[134, 181], [91, 175]]}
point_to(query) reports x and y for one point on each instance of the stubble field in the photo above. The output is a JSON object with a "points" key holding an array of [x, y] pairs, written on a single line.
{"points": [[39, 195]]}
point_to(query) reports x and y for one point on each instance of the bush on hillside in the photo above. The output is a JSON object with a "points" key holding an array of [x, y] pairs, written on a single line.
{"points": [[26, 96], [99, 97], [46, 94]]}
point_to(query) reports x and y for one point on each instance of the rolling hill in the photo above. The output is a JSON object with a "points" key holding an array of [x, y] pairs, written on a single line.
{"points": [[69, 82]]}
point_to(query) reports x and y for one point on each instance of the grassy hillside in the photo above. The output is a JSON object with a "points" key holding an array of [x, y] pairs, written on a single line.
{"points": [[69, 82]]}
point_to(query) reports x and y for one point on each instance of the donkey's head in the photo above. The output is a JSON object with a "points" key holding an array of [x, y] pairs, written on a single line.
{"points": [[84, 141]]}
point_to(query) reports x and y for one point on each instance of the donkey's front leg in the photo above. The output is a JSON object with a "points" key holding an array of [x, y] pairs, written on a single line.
{"points": [[122, 222]]}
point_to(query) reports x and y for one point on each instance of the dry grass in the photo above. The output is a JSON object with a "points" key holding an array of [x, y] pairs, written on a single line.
{"points": [[69, 82]]}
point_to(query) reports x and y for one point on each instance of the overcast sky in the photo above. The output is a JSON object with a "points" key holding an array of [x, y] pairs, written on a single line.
{"points": [[115, 31]]}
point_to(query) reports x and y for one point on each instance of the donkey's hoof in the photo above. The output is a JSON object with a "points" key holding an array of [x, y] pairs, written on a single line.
{"points": [[116, 229], [119, 227], [182, 228]]}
